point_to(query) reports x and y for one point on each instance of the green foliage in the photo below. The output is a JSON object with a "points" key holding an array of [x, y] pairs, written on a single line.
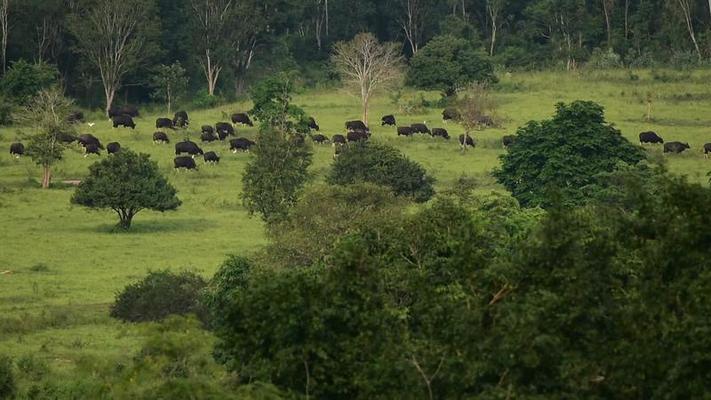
{"points": [[24, 80], [8, 387], [170, 84], [202, 100], [158, 295], [273, 179], [232, 277], [448, 63], [272, 105], [127, 183], [556, 158], [7, 108], [382, 165]]}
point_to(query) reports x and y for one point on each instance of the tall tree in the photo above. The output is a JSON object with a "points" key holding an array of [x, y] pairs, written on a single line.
{"points": [[4, 28], [211, 24], [413, 22], [687, 8], [494, 9], [608, 7], [367, 65], [170, 84], [111, 37]]}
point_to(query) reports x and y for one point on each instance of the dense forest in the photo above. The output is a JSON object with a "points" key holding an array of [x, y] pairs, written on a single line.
{"points": [[223, 45]]}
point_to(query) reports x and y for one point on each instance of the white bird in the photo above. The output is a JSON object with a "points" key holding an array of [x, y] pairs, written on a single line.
{"points": [[91, 124]]}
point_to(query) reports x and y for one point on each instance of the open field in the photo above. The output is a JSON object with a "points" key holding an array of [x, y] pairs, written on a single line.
{"points": [[64, 264]]}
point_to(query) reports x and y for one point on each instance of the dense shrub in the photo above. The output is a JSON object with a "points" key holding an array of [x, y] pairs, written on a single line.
{"points": [[23, 80], [7, 379], [158, 295], [231, 277], [382, 165], [6, 110]]}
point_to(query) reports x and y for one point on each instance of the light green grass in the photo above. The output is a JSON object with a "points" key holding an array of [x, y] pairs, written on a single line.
{"points": [[59, 313]]}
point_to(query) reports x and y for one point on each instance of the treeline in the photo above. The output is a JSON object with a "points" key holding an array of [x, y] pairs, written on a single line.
{"points": [[224, 44]]}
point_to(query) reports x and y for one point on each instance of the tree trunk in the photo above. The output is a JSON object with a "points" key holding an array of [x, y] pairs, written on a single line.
{"points": [[493, 37], [110, 92], [627, 18], [365, 110], [46, 176], [686, 9], [4, 27], [169, 99], [125, 219], [606, 11]]}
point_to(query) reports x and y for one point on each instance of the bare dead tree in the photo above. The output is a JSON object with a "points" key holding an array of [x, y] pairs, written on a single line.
{"points": [[48, 39], [110, 38], [686, 9], [627, 18], [4, 28], [412, 22], [494, 9], [608, 6], [320, 21], [367, 65], [211, 21]]}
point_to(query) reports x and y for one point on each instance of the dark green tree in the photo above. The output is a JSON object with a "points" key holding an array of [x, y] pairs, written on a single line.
{"points": [[560, 156], [8, 387], [24, 80], [448, 63], [272, 105], [170, 84], [382, 165], [127, 183]]}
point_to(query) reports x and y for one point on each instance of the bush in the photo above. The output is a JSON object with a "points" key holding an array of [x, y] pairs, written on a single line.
{"points": [[203, 100], [230, 278], [601, 59], [158, 295], [382, 165], [24, 80], [6, 110], [7, 379]]}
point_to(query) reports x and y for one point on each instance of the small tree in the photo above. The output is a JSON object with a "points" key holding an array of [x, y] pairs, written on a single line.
{"points": [[46, 114], [366, 65], [563, 155], [476, 108], [273, 179], [382, 165], [447, 63], [272, 105], [24, 80], [170, 84], [127, 183]]}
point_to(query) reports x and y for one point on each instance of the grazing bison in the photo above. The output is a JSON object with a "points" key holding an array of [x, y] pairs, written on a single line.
{"points": [[224, 129], [211, 157], [650, 137], [75, 117], [338, 139], [129, 110], [675, 147], [420, 128], [91, 148], [125, 121], [707, 149], [356, 126], [180, 119], [17, 149], [313, 125], [451, 114], [404, 131], [319, 138], [440, 132], [187, 147], [508, 140], [160, 137], [164, 123], [357, 136], [208, 137], [113, 147], [241, 118], [466, 141], [184, 162], [66, 137], [207, 129], [388, 120], [242, 144], [89, 139]]}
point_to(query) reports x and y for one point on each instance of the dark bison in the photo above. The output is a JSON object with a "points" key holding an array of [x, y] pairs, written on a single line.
{"points": [[224, 129], [338, 139], [420, 128], [313, 125], [17, 149], [650, 137], [75, 117], [388, 120], [355, 126], [675, 147], [128, 109], [468, 142], [208, 136], [164, 123], [242, 144], [450, 114], [89, 139], [319, 138], [508, 140], [113, 147], [180, 119], [91, 148], [207, 129], [241, 118], [707, 149], [357, 136], [404, 131], [187, 147], [440, 132], [211, 157], [125, 121], [66, 137], [160, 137], [184, 162]]}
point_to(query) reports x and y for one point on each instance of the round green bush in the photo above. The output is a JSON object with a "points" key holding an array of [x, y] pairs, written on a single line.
{"points": [[7, 379], [159, 295]]}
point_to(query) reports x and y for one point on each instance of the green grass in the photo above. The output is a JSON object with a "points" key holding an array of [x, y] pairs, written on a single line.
{"points": [[63, 264]]}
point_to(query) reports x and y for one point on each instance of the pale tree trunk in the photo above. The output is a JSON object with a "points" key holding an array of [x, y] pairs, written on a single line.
{"points": [[212, 73], [110, 93], [685, 6], [627, 18], [212, 16], [4, 27], [169, 96], [607, 6], [494, 7], [46, 176], [411, 24]]}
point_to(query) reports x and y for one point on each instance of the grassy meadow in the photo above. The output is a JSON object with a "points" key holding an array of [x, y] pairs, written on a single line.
{"points": [[61, 265]]}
